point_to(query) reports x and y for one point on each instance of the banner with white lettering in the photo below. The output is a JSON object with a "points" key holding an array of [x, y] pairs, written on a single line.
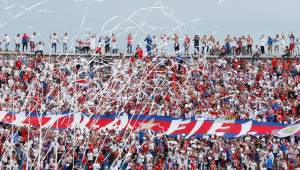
{"points": [[290, 130], [158, 124]]}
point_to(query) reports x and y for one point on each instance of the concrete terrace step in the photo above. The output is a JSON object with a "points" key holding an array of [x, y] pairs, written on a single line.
{"points": [[120, 55]]}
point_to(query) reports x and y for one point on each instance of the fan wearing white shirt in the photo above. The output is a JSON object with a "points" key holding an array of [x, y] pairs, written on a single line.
{"points": [[54, 42], [262, 43], [277, 43], [154, 45], [65, 43], [96, 166], [6, 41], [17, 43], [39, 48], [164, 44], [282, 43], [114, 43], [92, 42], [244, 48], [32, 42], [297, 43]]}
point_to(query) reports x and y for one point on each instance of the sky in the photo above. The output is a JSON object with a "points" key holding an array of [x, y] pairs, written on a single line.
{"points": [[142, 17]]}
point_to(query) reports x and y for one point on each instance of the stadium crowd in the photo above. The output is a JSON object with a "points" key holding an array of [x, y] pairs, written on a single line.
{"points": [[126, 150], [231, 88], [227, 87]]}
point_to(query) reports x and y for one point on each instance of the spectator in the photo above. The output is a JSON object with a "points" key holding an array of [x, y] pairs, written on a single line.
{"points": [[269, 163], [249, 45], [262, 44], [270, 45], [196, 45], [154, 45], [65, 41], [32, 42], [100, 47], [297, 47], [204, 42], [25, 39], [283, 43], [292, 37], [210, 45], [54, 42], [257, 53], [6, 41], [277, 44], [186, 44], [244, 49], [176, 43], [216, 48], [92, 43], [287, 53], [227, 42], [129, 43], [222, 52], [148, 40], [239, 45], [39, 48], [139, 52], [292, 44], [17, 43], [114, 44], [107, 43], [233, 45], [164, 44]]}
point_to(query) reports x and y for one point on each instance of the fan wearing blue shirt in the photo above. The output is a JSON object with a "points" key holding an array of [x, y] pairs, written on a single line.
{"points": [[269, 163], [270, 43]]}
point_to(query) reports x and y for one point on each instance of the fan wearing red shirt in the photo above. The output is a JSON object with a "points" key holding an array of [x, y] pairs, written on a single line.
{"points": [[101, 158], [139, 52], [129, 43], [291, 165], [193, 163], [274, 63], [187, 42], [18, 64], [239, 46], [139, 167], [132, 60], [159, 165], [236, 64], [167, 98], [26, 76], [213, 166]]}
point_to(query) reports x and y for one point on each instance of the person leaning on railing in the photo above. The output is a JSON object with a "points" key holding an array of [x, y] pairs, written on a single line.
{"points": [[287, 53], [257, 54], [39, 48]]}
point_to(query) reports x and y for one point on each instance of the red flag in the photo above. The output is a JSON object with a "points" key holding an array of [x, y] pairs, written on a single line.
{"points": [[9, 118], [83, 81]]}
